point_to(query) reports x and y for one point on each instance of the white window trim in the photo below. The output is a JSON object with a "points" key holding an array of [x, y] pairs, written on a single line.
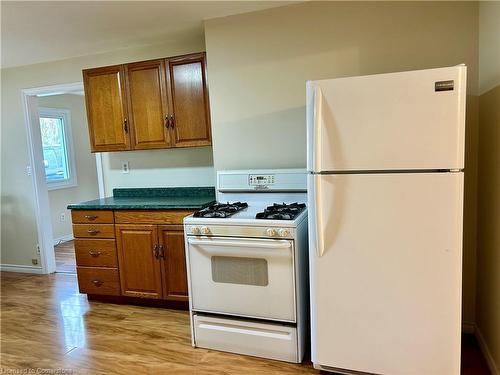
{"points": [[68, 138]]}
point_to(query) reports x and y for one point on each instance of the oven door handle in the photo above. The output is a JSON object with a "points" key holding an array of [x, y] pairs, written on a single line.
{"points": [[261, 245]]}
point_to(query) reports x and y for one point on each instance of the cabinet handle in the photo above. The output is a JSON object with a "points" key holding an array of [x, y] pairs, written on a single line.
{"points": [[167, 122], [93, 232], [94, 253], [156, 251], [172, 121], [125, 125], [162, 252], [91, 217], [97, 282]]}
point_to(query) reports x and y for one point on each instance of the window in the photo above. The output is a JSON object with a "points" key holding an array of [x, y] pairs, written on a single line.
{"points": [[58, 157]]}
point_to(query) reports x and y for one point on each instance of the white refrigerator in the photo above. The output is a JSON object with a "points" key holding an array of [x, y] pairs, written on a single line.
{"points": [[385, 191]]}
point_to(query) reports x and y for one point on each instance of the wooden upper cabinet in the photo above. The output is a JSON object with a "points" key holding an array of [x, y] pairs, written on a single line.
{"points": [[138, 260], [175, 286], [189, 100], [151, 104], [148, 104], [106, 108]]}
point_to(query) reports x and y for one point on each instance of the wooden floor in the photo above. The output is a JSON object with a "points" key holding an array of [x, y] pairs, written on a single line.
{"points": [[46, 323], [65, 257]]}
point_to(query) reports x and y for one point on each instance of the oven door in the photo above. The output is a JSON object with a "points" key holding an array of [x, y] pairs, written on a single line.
{"points": [[242, 276]]}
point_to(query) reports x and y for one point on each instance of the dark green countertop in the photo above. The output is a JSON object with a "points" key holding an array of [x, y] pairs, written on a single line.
{"points": [[151, 199]]}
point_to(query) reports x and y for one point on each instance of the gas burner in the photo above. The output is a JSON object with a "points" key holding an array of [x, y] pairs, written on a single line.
{"points": [[221, 210], [281, 211]]}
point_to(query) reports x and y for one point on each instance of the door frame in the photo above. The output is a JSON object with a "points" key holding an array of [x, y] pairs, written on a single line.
{"points": [[41, 197]]}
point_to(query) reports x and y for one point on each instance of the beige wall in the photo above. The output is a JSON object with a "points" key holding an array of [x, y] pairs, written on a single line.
{"points": [[181, 167], [17, 194], [488, 252], [86, 174], [489, 45], [258, 64]]}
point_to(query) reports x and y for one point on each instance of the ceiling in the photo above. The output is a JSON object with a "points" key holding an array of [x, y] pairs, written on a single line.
{"points": [[40, 31]]}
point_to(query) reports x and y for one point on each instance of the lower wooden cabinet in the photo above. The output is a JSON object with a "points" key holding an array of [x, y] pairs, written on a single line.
{"points": [[139, 264], [171, 239], [132, 254], [103, 281], [152, 261]]}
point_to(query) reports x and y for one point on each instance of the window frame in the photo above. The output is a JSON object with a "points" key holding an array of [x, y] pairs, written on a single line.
{"points": [[65, 115]]}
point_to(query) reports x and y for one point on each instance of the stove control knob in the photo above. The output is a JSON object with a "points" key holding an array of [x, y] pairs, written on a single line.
{"points": [[195, 230], [271, 232], [284, 232], [205, 230]]}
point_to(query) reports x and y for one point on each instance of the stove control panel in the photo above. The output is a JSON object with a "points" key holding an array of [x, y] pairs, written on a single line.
{"points": [[194, 230], [271, 232], [281, 232], [239, 231], [260, 180]]}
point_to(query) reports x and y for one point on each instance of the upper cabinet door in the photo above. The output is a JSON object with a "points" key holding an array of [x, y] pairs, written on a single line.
{"points": [[106, 109], [189, 100], [148, 104]]}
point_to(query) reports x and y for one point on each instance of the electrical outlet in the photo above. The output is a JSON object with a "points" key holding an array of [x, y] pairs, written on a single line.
{"points": [[125, 167], [38, 249], [28, 170], [34, 261], [62, 217]]}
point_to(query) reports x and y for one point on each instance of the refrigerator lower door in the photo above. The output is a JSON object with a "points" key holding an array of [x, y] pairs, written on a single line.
{"points": [[386, 264]]}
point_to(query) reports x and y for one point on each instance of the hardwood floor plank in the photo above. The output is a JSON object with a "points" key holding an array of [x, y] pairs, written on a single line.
{"points": [[46, 323], [65, 257]]}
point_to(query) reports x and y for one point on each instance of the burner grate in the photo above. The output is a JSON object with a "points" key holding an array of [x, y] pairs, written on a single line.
{"points": [[221, 210], [281, 211]]}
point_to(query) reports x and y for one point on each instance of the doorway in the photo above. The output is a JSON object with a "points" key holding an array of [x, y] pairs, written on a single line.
{"points": [[63, 169]]}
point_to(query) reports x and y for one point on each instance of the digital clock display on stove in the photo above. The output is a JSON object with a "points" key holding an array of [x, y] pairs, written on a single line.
{"points": [[260, 180]]}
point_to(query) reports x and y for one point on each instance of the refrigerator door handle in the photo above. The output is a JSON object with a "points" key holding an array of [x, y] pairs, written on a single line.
{"points": [[314, 126], [317, 127], [318, 216]]}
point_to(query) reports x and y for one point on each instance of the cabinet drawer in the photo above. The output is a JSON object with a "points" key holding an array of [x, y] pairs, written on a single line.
{"points": [[151, 217], [98, 281], [94, 230], [95, 253], [95, 216]]}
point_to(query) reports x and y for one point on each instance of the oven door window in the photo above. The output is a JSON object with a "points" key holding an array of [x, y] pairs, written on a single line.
{"points": [[238, 270]]}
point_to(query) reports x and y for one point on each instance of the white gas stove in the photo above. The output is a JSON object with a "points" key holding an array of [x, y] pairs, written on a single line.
{"points": [[247, 265]]}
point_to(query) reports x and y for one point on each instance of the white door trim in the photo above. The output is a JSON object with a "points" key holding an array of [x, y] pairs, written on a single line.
{"points": [[43, 223], [100, 174]]}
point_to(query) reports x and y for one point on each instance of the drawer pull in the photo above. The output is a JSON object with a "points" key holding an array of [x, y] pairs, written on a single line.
{"points": [[94, 253], [93, 232], [91, 217], [97, 282]]}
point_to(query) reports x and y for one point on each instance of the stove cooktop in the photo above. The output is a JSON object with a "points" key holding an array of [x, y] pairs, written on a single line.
{"points": [[278, 211], [281, 211], [221, 210]]}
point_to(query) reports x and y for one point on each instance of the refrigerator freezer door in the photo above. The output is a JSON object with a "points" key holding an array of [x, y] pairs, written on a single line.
{"points": [[397, 121], [386, 282]]}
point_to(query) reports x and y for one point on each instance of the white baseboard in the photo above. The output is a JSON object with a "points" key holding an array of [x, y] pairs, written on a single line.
{"points": [[66, 238], [21, 269], [468, 327], [486, 352]]}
